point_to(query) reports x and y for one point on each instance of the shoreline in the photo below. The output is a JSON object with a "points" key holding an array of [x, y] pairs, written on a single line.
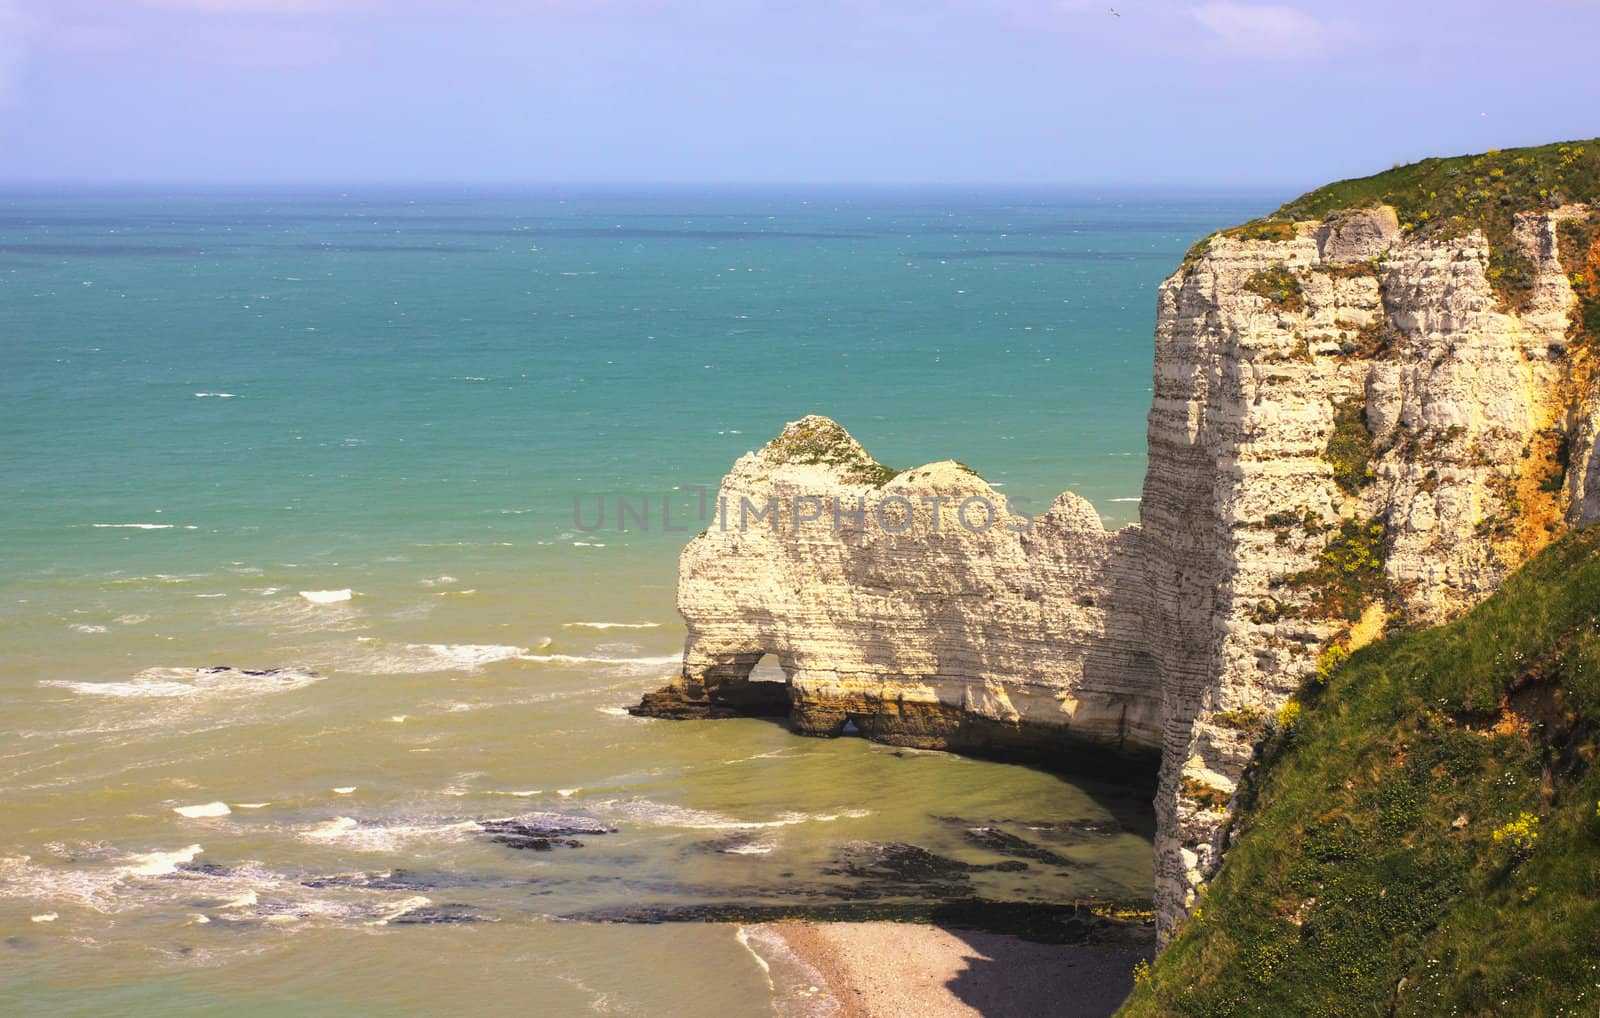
{"points": [[907, 970]]}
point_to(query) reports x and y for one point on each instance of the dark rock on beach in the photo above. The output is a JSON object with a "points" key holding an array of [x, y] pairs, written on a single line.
{"points": [[1067, 923]]}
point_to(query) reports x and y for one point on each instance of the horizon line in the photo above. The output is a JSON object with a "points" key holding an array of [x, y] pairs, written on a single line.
{"points": [[35, 183]]}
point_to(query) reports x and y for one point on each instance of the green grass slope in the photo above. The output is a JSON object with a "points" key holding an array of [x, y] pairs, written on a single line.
{"points": [[1424, 837]]}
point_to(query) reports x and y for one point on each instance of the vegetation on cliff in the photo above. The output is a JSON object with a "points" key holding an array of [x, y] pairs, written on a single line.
{"points": [[817, 440], [1278, 286], [1350, 448], [1451, 196], [1423, 836]]}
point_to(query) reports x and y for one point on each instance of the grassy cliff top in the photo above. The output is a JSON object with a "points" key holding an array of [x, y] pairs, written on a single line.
{"points": [[1452, 196], [1423, 837], [1482, 191]]}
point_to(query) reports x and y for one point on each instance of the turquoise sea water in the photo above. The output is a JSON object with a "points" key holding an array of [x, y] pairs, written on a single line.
{"points": [[214, 402]]}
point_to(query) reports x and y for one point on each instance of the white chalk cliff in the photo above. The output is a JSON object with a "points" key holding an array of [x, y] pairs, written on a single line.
{"points": [[1351, 430]]}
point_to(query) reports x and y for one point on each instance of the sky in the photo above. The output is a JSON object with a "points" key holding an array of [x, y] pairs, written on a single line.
{"points": [[1164, 93]]}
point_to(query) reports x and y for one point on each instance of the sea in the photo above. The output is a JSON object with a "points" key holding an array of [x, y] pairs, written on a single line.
{"points": [[338, 530]]}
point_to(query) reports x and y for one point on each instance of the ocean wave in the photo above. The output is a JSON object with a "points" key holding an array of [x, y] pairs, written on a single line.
{"points": [[649, 813], [113, 882], [143, 526], [204, 810], [629, 663], [296, 614], [157, 864], [157, 683], [752, 848], [327, 596], [217, 395], [612, 625], [792, 980], [421, 658], [387, 836]]}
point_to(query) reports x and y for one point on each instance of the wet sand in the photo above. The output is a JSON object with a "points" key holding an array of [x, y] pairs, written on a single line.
{"points": [[900, 970]]}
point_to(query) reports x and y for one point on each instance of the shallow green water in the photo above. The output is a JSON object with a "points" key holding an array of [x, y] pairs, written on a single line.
{"points": [[214, 403]]}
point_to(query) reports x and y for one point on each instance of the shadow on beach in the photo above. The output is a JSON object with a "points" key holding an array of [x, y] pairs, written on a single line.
{"points": [[1010, 978]]}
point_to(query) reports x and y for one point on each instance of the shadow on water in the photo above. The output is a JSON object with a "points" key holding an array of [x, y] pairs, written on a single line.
{"points": [[1122, 786]]}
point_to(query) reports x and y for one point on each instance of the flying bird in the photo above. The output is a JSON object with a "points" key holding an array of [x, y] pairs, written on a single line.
{"points": [[1115, 13]]}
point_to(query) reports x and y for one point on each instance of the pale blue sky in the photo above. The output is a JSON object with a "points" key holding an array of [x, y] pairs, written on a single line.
{"points": [[1198, 93]]}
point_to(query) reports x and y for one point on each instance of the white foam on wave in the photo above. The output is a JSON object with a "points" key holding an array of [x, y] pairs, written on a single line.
{"points": [[1135, 499], [400, 908], [794, 984], [134, 526], [203, 810], [420, 658], [111, 882], [627, 663], [157, 864], [613, 625], [754, 848], [216, 395], [664, 814], [80, 627], [327, 596], [776, 754], [438, 581], [352, 834], [158, 683], [295, 614]]}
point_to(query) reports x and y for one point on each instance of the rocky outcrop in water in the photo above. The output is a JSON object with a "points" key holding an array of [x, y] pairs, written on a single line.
{"points": [[918, 607], [1356, 425]]}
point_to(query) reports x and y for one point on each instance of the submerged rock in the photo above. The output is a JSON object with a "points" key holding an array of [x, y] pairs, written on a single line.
{"points": [[543, 832], [894, 868], [1005, 843], [394, 880], [439, 915]]}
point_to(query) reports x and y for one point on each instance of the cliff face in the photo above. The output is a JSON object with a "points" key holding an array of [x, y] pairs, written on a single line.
{"points": [[1354, 427], [1350, 430]]}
